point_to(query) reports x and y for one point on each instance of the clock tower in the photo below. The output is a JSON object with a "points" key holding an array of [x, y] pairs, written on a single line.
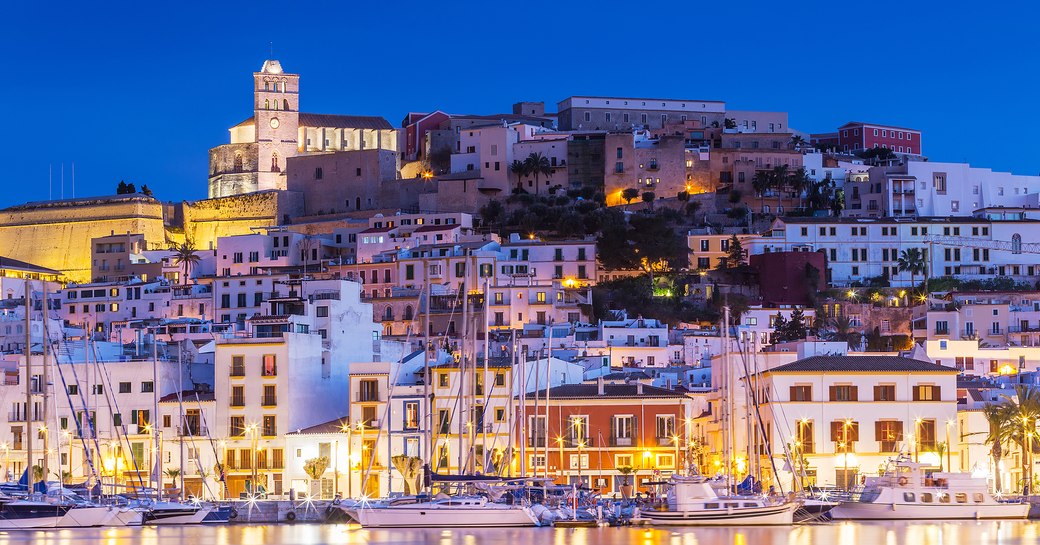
{"points": [[276, 118]]}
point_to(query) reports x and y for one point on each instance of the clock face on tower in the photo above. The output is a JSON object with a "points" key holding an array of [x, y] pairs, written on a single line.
{"points": [[274, 122]]}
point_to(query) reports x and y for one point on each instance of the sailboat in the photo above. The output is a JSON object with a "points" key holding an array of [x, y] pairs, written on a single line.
{"points": [[470, 510]]}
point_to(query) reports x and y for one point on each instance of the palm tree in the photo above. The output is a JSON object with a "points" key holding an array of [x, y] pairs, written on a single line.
{"points": [[912, 260], [520, 169], [797, 142], [799, 181], [998, 434], [761, 182], [185, 256], [780, 179], [842, 330], [1022, 412], [539, 165]]}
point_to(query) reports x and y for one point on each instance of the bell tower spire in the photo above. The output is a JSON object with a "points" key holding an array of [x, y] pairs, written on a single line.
{"points": [[276, 115]]}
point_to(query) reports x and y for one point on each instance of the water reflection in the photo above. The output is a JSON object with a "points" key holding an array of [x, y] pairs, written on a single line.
{"points": [[880, 533]]}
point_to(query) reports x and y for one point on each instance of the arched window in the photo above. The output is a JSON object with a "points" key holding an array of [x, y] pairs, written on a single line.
{"points": [[274, 163], [1016, 243], [267, 104], [285, 104], [238, 162], [357, 203], [283, 85], [266, 85], [779, 209], [408, 312], [765, 208], [388, 313]]}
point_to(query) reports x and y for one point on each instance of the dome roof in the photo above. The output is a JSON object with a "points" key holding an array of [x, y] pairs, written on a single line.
{"points": [[272, 66]]}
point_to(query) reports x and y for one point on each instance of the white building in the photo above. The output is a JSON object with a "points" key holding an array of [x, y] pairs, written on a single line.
{"points": [[862, 248], [846, 415]]}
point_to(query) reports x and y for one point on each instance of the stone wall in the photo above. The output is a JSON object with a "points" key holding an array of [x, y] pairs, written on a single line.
{"points": [[57, 234], [207, 220]]}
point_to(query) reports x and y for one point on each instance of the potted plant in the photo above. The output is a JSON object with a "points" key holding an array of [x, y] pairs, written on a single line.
{"points": [[315, 468], [626, 480]]}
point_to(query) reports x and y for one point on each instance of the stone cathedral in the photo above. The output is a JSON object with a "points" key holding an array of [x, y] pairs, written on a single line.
{"points": [[255, 159]]}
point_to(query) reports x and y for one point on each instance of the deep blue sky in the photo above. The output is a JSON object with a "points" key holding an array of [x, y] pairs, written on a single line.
{"points": [[141, 91]]}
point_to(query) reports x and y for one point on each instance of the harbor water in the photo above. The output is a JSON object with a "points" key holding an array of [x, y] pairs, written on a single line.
{"points": [[869, 533]]}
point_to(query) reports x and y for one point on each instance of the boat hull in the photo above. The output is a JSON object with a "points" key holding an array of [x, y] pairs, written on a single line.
{"points": [[127, 517], [22, 516], [942, 511], [176, 515], [760, 516], [87, 517], [432, 516]]}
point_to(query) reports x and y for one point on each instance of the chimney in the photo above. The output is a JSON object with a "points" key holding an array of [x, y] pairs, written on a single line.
{"points": [[600, 387], [639, 388]]}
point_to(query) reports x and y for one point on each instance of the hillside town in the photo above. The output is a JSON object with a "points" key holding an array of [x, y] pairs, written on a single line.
{"points": [[604, 293]]}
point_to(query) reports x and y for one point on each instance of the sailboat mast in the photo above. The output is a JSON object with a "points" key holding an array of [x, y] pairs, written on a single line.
{"points": [[729, 398], [28, 383], [180, 410], [465, 422], [427, 397], [548, 386], [44, 381], [489, 383], [157, 452]]}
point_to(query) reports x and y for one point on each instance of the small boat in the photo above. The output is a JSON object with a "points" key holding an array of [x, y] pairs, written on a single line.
{"points": [[905, 492], [691, 501], [449, 512], [166, 512]]}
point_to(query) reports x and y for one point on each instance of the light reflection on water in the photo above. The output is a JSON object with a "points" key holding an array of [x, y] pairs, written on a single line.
{"points": [[870, 533]]}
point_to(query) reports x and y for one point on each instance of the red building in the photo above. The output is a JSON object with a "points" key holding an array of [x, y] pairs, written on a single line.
{"points": [[855, 135], [790, 278], [596, 429]]}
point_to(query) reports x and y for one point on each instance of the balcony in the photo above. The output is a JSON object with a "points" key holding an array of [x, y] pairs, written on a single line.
{"points": [[269, 401], [621, 441], [367, 396], [584, 442], [942, 330], [994, 332], [237, 402], [192, 430], [665, 441]]}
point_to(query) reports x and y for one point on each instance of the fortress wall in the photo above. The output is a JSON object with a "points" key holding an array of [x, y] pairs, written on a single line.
{"points": [[57, 234]]}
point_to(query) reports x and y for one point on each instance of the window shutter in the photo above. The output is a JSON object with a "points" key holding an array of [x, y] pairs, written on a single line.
{"points": [[133, 417], [936, 393], [794, 393], [854, 431], [835, 431], [917, 393], [613, 431], [636, 438], [899, 431], [854, 393], [878, 433], [877, 393], [833, 393]]}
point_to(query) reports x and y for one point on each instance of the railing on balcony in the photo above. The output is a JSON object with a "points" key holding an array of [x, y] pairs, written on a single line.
{"points": [[621, 441], [192, 430], [995, 331], [942, 331]]}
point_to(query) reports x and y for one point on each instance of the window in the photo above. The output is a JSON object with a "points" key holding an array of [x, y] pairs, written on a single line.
{"points": [[442, 380], [270, 367], [269, 399], [411, 415], [147, 387], [801, 393], [238, 366], [238, 397], [889, 433], [368, 390], [927, 392], [270, 429], [665, 429], [623, 430], [844, 392], [844, 433], [806, 437], [885, 392]]}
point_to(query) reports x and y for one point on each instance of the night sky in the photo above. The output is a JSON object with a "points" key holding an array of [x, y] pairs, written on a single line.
{"points": [[141, 91]]}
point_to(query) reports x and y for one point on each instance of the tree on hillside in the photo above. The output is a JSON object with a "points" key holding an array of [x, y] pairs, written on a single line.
{"points": [[121, 188], [648, 198], [491, 214], [146, 190], [762, 182], [735, 256], [629, 194], [130, 189]]}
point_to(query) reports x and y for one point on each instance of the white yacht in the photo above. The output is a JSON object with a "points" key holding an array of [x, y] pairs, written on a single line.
{"points": [[904, 491], [691, 501], [447, 512]]}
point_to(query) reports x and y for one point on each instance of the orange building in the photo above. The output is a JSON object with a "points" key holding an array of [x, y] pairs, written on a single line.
{"points": [[596, 429]]}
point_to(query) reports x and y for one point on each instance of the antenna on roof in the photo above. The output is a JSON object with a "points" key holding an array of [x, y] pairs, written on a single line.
{"points": [[271, 44]]}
